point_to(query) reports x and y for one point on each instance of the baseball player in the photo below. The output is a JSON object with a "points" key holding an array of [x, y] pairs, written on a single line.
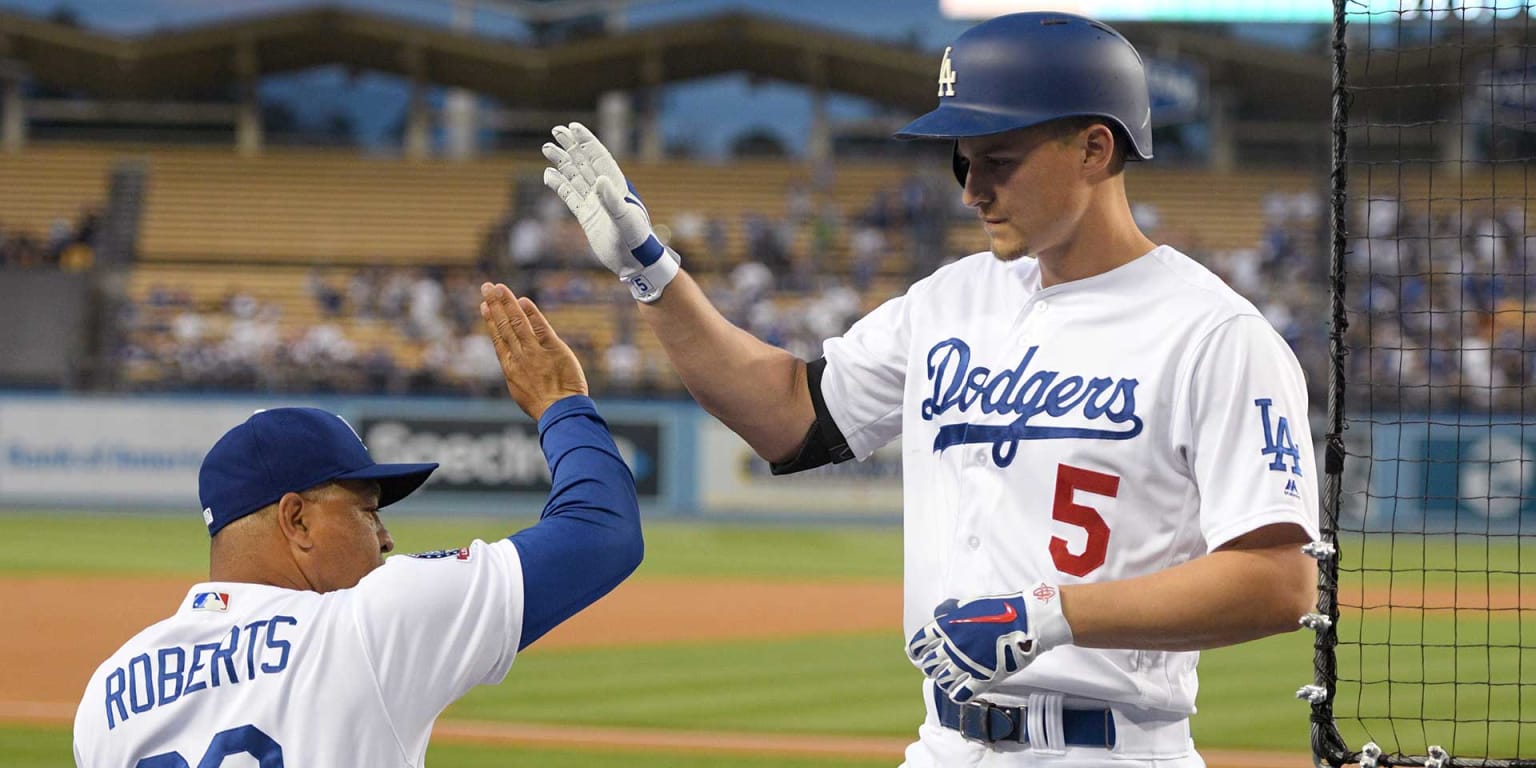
{"points": [[305, 647], [1106, 452]]}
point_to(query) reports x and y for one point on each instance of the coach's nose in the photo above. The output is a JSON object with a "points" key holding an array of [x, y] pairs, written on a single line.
{"points": [[386, 541]]}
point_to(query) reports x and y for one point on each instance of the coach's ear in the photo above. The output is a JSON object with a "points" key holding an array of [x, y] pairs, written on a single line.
{"points": [[293, 519]]}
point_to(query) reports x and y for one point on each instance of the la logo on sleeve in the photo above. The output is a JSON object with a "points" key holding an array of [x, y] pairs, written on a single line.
{"points": [[1277, 439]]}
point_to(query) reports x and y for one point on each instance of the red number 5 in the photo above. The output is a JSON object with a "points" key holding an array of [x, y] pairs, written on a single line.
{"points": [[1069, 480]]}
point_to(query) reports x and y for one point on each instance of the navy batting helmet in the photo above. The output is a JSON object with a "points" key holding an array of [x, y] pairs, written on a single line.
{"points": [[1024, 69]]}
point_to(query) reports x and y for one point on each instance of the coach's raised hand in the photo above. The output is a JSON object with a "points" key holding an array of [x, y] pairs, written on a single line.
{"points": [[618, 226], [539, 367]]}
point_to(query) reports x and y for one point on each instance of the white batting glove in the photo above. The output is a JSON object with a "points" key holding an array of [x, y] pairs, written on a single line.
{"points": [[971, 646], [618, 226]]}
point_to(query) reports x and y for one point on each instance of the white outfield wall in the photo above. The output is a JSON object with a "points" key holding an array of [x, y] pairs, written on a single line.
{"points": [[60, 451]]}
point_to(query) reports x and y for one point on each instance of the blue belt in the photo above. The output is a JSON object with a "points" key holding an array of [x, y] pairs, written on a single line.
{"points": [[984, 722]]}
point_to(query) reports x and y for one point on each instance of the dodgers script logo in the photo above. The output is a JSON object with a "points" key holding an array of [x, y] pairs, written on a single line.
{"points": [[1029, 394]]}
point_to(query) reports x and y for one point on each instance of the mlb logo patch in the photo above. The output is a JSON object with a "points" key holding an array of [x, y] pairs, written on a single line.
{"points": [[461, 554], [210, 601]]}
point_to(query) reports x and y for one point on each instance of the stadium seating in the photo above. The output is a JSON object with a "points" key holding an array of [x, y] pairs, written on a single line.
{"points": [[214, 220], [44, 184]]}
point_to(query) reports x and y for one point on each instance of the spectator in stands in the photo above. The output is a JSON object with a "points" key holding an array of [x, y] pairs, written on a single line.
{"points": [[474, 366], [362, 295], [526, 246], [718, 242], [623, 366], [425, 307], [688, 231], [765, 244], [20, 250], [252, 340], [77, 257], [324, 345], [381, 371], [799, 203], [1477, 380], [880, 212], [868, 249], [328, 298]]}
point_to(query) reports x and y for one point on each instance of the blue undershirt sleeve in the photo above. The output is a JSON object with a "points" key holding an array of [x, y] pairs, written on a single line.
{"points": [[587, 539]]}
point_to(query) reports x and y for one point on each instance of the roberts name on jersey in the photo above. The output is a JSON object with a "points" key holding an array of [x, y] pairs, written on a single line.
{"points": [[165, 675]]}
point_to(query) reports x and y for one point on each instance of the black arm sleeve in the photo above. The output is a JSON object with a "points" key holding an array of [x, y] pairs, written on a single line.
{"points": [[824, 442]]}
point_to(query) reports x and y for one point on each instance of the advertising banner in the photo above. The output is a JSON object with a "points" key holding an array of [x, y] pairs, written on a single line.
{"points": [[492, 454], [126, 452], [118, 452], [733, 481], [1441, 474]]}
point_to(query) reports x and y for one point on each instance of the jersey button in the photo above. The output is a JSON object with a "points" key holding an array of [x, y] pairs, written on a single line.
{"points": [[1042, 306], [973, 542]]}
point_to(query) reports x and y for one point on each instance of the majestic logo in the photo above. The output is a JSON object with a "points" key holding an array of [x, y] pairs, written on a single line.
{"points": [[1291, 488], [1044, 593], [947, 75], [1277, 439], [1006, 617], [1030, 394]]}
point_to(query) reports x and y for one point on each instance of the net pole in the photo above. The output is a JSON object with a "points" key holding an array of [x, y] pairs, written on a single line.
{"points": [[1327, 744]]}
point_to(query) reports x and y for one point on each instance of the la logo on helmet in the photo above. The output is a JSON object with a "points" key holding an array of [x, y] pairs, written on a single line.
{"points": [[947, 75]]}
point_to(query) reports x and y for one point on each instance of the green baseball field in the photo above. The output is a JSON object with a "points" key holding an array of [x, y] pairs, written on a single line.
{"points": [[780, 646]]}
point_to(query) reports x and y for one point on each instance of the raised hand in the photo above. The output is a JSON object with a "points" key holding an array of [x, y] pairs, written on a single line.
{"points": [[618, 226], [540, 369], [971, 646]]}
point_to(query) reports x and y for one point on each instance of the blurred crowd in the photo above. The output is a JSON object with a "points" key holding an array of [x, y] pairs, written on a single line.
{"points": [[1442, 313], [67, 245], [369, 330], [1433, 301]]}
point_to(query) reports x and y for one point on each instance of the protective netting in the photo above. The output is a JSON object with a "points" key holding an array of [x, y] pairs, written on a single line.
{"points": [[1432, 597]]}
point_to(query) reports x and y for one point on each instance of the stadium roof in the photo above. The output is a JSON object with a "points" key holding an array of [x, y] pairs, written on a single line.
{"points": [[206, 59]]}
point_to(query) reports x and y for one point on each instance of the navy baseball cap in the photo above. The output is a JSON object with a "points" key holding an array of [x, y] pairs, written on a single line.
{"points": [[291, 449]]}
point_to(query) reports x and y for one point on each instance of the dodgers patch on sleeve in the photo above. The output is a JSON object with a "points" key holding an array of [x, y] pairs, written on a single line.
{"points": [[1278, 442], [462, 554]]}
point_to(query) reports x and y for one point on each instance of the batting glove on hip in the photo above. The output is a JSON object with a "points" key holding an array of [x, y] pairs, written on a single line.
{"points": [[618, 226], [971, 646]]}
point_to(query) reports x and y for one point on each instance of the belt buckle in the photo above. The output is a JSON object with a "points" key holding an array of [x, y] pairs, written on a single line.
{"points": [[976, 722]]}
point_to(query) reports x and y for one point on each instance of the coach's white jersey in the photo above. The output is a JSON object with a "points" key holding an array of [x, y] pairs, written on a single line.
{"points": [[1095, 430], [286, 677]]}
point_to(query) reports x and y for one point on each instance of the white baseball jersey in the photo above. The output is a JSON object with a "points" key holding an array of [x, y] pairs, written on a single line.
{"points": [[1096, 430], [354, 677]]}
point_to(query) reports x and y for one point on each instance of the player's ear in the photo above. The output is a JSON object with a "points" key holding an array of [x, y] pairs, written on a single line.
{"points": [[294, 517], [1100, 148]]}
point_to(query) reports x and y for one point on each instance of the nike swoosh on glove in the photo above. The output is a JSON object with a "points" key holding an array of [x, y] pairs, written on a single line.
{"points": [[618, 226], [973, 645]]}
